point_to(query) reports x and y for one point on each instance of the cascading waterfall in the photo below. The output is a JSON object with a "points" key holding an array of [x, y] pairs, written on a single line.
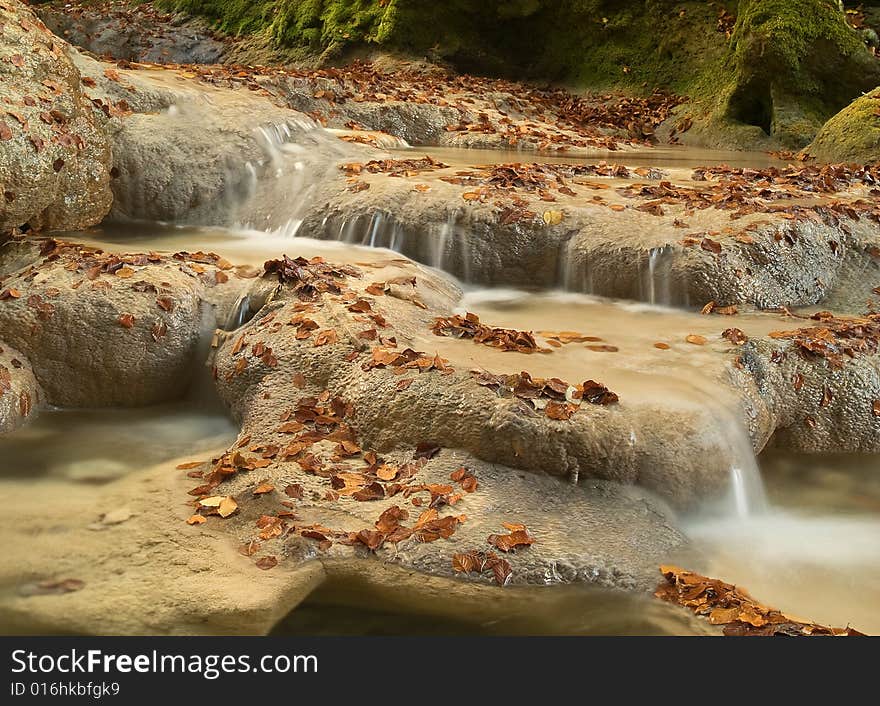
{"points": [[655, 280], [574, 275]]}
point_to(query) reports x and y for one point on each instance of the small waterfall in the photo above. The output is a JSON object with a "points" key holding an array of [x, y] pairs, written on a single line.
{"points": [[450, 248], [747, 495], [240, 313], [574, 275], [744, 495], [655, 281]]}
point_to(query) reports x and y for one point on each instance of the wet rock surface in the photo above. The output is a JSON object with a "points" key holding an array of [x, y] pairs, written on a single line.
{"points": [[125, 328], [378, 446], [54, 158], [355, 448], [805, 235], [134, 33], [19, 392]]}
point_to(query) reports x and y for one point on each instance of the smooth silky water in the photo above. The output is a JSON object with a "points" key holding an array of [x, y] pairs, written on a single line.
{"points": [[810, 543]]}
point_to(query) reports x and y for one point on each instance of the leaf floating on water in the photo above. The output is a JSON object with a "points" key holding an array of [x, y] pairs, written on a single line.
{"points": [[469, 326], [478, 562]]}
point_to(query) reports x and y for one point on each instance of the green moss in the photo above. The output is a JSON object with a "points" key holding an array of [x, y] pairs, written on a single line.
{"points": [[786, 68], [853, 135]]}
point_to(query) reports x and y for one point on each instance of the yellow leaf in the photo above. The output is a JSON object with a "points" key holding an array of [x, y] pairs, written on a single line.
{"points": [[552, 218], [227, 506]]}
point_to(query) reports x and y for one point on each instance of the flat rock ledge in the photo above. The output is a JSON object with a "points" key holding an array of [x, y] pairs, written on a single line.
{"points": [[360, 454]]}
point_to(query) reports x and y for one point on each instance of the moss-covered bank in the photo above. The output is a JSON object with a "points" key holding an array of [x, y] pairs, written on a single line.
{"points": [[760, 72], [853, 135]]}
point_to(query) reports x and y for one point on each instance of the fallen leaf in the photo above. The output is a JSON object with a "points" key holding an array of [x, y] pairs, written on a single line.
{"points": [[267, 562]]}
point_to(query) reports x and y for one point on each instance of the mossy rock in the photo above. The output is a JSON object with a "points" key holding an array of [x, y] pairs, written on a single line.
{"points": [[853, 135], [772, 78]]}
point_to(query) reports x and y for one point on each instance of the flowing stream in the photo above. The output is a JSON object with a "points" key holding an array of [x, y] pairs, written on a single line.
{"points": [[808, 542]]}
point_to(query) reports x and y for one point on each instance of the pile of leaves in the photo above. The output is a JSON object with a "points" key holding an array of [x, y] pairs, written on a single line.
{"points": [[537, 118], [394, 167], [824, 178], [556, 398], [733, 608], [405, 360], [836, 339], [477, 561], [536, 177], [469, 326], [103, 271], [309, 278]]}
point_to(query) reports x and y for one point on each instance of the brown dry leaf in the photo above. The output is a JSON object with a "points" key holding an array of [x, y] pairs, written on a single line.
{"points": [[264, 488], [249, 548], [728, 605], [196, 520], [227, 507], [267, 562], [387, 472], [467, 563], [518, 537], [373, 491], [735, 336], [696, 339], [294, 490], [126, 320], [559, 410], [328, 337], [662, 346]]}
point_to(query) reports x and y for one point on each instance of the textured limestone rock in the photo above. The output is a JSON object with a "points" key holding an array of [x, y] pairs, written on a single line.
{"points": [[626, 237], [103, 330], [54, 158], [19, 392]]}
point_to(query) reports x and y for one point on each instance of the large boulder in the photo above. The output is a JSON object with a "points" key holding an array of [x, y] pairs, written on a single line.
{"points": [[102, 329], [54, 157], [19, 391], [853, 135], [781, 236], [188, 152]]}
